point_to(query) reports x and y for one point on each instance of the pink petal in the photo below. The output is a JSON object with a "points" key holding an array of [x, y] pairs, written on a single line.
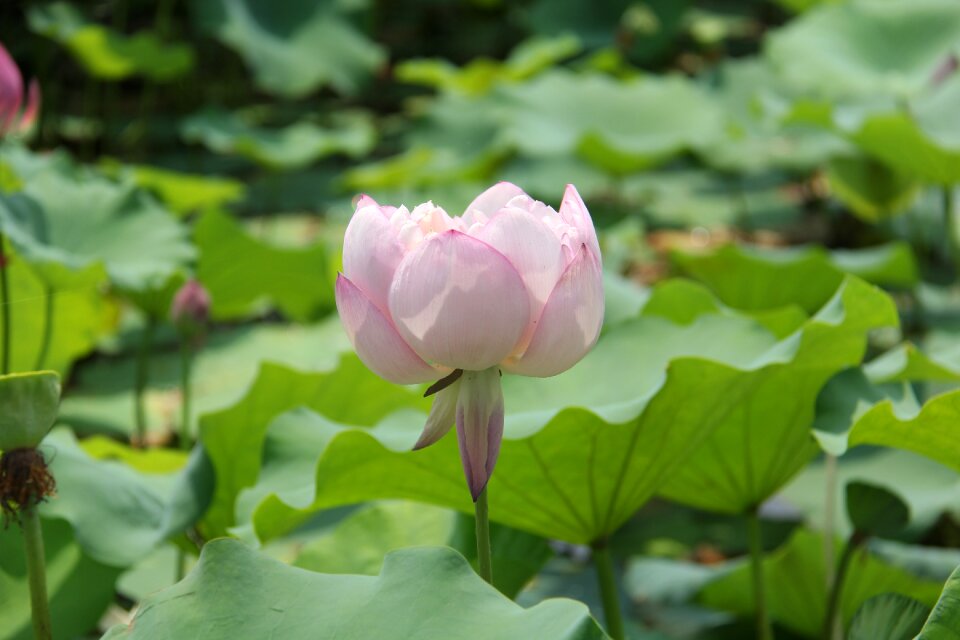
{"points": [[441, 418], [371, 251], [570, 323], [33, 106], [574, 212], [459, 302], [376, 340], [492, 200], [531, 247], [479, 426], [11, 90]]}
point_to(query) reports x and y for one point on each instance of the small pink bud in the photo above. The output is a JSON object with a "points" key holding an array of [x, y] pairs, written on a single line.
{"points": [[191, 307]]}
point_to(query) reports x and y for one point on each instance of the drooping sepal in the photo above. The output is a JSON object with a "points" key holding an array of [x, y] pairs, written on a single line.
{"points": [[479, 418], [442, 415]]}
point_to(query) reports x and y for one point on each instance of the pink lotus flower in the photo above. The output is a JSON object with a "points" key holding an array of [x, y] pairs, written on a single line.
{"points": [[510, 286], [11, 97]]}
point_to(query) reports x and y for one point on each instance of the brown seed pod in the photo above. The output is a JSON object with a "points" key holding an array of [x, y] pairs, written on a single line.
{"points": [[25, 481]]}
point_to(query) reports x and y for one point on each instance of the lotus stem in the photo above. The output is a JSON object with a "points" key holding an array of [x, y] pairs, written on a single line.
{"points": [[484, 556], [4, 306], [142, 376], [830, 622], [953, 245], [764, 630], [186, 367], [36, 572], [829, 517], [48, 295], [609, 595]]}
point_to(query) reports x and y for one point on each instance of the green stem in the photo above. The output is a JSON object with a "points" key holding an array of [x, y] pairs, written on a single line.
{"points": [[186, 360], [953, 246], [143, 371], [484, 561], [829, 517], [5, 306], [607, 579], [830, 622], [36, 572], [764, 630], [48, 294]]}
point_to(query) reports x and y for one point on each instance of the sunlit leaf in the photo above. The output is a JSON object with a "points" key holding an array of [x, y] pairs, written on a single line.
{"points": [[795, 576], [292, 146], [80, 588], [619, 126], [245, 275], [755, 278], [254, 596], [843, 49], [945, 617], [293, 47], [119, 514], [109, 55]]}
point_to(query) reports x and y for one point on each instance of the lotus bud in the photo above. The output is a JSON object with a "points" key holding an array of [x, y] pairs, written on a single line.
{"points": [[190, 308]]}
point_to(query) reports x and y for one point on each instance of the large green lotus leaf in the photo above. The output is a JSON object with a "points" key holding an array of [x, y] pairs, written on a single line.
{"points": [[700, 198], [234, 592], [889, 616], [294, 146], [101, 398], [245, 275], [81, 315], [871, 190], [79, 588], [754, 139], [917, 153], [646, 33], [119, 514], [795, 576], [481, 74], [906, 362], [766, 439], [296, 46], [849, 395], [619, 126], [756, 278], [184, 193], [451, 146], [234, 437], [357, 465], [71, 217], [683, 301], [931, 432], [359, 543], [844, 49], [917, 139], [109, 55], [928, 487], [944, 620], [578, 457]]}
